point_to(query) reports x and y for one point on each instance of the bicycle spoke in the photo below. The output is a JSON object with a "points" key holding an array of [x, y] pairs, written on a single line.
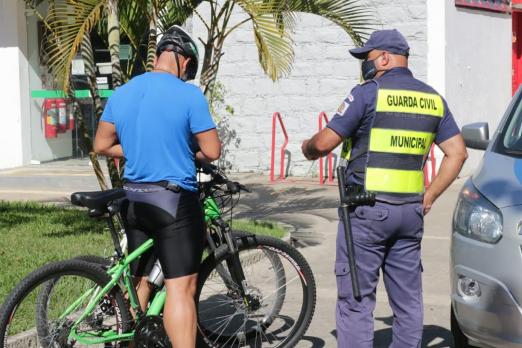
{"points": [[51, 308], [266, 316]]}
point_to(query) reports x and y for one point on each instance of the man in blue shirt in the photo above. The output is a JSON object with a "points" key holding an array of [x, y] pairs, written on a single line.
{"points": [[157, 122], [388, 124]]}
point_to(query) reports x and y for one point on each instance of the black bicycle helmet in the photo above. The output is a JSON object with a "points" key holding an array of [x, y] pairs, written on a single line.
{"points": [[178, 41]]}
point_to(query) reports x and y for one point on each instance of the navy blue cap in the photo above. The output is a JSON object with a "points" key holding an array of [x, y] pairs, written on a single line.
{"points": [[385, 40]]}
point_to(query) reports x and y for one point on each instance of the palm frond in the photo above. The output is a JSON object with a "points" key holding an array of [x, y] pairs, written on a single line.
{"points": [[69, 21], [133, 20], [275, 46], [353, 16], [173, 12]]}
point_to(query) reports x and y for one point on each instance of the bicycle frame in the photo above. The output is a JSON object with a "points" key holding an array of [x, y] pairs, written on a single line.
{"points": [[122, 271]]}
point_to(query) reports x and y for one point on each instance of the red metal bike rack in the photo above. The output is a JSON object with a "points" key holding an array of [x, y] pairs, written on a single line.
{"points": [[429, 178], [277, 116], [329, 157]]}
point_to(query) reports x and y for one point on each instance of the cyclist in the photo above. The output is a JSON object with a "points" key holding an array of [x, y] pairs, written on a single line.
{"points": [[157, 122]]}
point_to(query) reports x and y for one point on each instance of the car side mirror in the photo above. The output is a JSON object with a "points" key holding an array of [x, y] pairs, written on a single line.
{"points": [[476, 135]]}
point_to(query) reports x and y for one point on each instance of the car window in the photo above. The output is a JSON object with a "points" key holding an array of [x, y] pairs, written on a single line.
{"points": [[513, 134], [509, 141]]}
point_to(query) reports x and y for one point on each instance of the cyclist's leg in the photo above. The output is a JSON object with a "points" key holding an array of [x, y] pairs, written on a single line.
{"points": [[179, 248], [176, 224], [179, 314], [141, 267]]}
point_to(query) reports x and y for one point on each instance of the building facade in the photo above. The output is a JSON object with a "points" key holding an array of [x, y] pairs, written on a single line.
{"points": [[464, 48]]}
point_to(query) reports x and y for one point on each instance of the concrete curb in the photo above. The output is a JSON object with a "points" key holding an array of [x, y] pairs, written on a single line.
{"points": [[26, 339]]}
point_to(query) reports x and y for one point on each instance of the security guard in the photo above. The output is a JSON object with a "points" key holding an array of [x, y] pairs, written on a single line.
{"points": [[388, 124]]}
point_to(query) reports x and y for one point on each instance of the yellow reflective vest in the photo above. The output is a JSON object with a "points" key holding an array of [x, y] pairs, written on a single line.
{"points": [[403, 129]]}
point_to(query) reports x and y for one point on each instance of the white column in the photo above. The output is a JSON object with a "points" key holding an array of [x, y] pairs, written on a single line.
{"points": [[14, 86]]}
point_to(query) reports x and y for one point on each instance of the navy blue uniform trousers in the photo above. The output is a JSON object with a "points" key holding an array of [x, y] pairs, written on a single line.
{"points": [[386, 237]]}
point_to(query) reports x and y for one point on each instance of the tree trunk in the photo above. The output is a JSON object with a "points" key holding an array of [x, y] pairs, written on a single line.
{"points": [[209, 72], [153, 34], [214, 47], [113, 29], [90, 72]]}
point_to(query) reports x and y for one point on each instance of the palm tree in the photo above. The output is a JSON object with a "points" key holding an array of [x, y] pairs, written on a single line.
{"points": [[69, 22], [272, 24]]}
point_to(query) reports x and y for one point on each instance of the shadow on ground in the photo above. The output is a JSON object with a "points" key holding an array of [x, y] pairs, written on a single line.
{"points": [[433, 336], [266, 200], [287, 204]]}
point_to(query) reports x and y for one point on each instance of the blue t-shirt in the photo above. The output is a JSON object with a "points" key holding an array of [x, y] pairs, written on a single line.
{"points": [[156, 116]]}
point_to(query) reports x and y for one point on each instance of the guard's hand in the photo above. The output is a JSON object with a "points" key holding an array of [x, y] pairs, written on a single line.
{"points": [[427, 202], [304, 149]]}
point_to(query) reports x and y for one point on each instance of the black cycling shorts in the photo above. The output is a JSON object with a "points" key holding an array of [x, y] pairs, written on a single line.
{"points": [[174, 220]]}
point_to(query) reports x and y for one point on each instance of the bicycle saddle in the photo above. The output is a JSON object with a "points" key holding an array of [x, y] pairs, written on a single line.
{"points": [[97, 200]]}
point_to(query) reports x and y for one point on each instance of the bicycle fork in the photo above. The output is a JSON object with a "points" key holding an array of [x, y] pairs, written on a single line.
{"points": [[234, 264]]}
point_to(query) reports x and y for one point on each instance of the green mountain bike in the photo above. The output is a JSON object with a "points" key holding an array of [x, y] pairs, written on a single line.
{"points": [[253, 291]]}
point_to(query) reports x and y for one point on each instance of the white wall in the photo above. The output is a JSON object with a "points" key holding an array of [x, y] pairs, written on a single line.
{"points": [[436, 57], [21, 131], [478, 68], [323, 75], [436, 30], [14, 86]]}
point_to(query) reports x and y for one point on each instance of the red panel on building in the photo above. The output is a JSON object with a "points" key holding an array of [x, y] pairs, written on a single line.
{"points": [[517, 49], [516, 4], [489, 5]]}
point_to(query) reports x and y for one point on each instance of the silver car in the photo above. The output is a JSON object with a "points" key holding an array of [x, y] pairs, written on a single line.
{"points": [[486, 254]]}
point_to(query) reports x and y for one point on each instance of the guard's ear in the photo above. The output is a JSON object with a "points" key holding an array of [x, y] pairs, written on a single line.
{"points": [[386, 57]]}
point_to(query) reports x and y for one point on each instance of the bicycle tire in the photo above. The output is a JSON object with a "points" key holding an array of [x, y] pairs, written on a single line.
{"points": [[47, 289], [207, 337], [55, 270]]}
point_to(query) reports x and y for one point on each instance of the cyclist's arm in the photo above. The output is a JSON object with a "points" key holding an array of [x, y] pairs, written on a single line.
{"points": [[209, 145], [106, 141]]}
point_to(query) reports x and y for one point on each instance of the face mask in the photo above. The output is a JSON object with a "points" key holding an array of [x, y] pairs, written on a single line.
{"points": [[368, 69]]}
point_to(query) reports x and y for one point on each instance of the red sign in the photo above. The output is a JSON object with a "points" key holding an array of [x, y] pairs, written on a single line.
{"points": [[489, 5]]}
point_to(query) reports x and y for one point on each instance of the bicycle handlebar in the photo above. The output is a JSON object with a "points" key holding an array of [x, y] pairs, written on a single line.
{"points": [[218, 177]]}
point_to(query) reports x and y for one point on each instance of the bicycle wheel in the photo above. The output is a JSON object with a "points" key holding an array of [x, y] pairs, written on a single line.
{"points": [[75, 282], [225, 319], [279, 280], [45, 324]]}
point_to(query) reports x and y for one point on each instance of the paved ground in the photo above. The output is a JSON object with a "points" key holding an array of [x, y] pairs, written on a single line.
{"points": [[311, 210]]}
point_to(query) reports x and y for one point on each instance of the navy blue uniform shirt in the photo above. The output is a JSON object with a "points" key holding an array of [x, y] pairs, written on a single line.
{"points": [[354, 117]]}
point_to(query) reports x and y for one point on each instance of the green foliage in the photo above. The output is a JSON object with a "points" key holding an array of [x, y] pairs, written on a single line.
{"points": [[217, 103], [67, 22]]}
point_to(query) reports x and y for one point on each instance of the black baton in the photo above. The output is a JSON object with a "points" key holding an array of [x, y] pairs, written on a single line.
{"points": [[345, 216]]}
